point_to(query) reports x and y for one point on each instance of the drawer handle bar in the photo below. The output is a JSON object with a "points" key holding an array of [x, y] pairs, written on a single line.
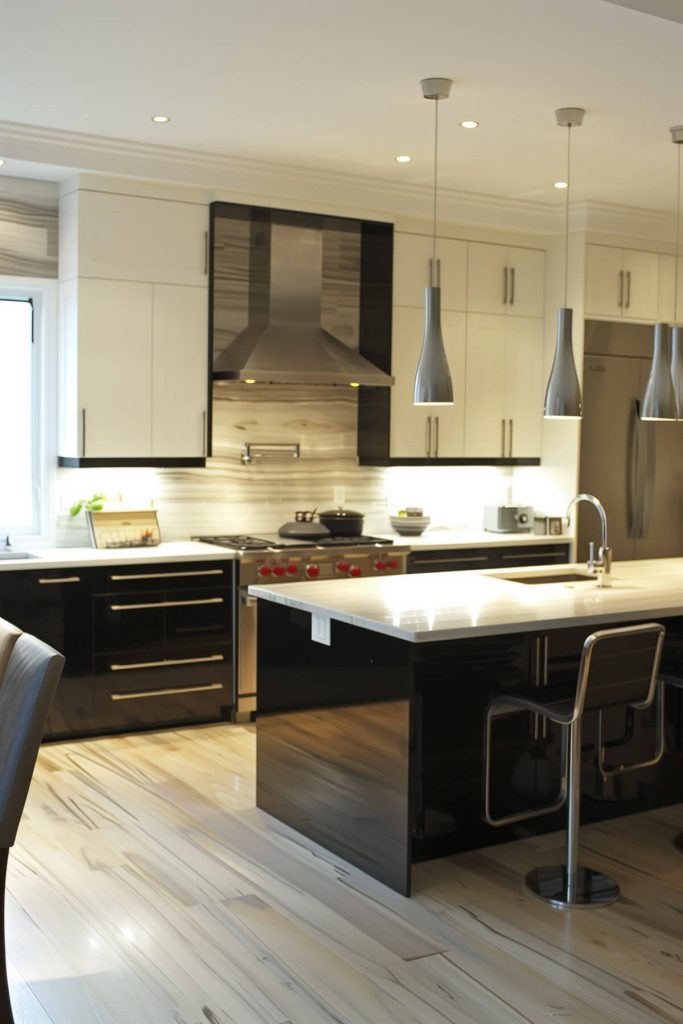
{"points": [[529, 554], [171, 691], [166, 663], [164, 604], [62, 579], [166, 575], [453, 561]]}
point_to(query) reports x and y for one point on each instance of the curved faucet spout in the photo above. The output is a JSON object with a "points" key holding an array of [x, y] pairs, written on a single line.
{"points": [[604, 560]]}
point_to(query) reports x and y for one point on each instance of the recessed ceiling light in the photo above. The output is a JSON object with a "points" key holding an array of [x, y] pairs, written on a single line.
{"points": [[1, 162], [404, 159], [469, 124], [560, 184], [161, 119]]}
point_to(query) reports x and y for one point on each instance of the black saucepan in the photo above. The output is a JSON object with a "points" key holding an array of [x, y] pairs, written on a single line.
{"points": [[342, 522]]}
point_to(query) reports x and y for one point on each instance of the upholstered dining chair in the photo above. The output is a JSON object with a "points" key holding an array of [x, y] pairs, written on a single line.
{"points": [[26, 693], [9, 635]]}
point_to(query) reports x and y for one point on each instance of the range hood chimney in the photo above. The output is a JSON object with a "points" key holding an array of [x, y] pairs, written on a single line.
{"points": [[284, 341]]}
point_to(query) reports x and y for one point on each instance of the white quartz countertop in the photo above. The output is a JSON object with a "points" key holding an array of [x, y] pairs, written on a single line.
{"points": [[58, 558], [470, 537], [454, 605]]}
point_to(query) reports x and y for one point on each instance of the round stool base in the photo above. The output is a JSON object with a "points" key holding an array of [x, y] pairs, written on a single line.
{"points": [[593, 889], [678, 841]]}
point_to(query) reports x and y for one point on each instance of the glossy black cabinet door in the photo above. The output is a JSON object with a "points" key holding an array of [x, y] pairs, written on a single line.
{"points": [[56, 606]]}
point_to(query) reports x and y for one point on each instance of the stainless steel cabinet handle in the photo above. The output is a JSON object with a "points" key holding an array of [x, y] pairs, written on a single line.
{"points": [[166, 575], [204, 446], [512, 286], [527, 554], [452, 561], [206, 252], [61, 579], [436, 436], [621, 289], [166, 662], [429, 436], [505, 286], [502, 439], [510, 441], [628, 289], [164, 604], [83, 433], [171, 691]]}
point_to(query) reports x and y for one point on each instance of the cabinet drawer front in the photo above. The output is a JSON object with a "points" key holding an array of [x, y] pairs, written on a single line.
{"points": [[127, 622], [168, 576]]}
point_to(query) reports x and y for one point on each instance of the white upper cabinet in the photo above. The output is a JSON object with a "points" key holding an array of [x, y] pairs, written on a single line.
{"points": [[622, 283], [412, 254], [505, 279], [670, 301], [426, 432], [133, 328], [504, 386]]}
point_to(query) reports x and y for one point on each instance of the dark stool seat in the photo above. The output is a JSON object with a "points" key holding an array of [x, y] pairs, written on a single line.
{"points": [[618, 667]]}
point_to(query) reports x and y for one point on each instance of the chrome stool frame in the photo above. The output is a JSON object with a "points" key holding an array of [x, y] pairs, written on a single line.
{"points": [[569, 884]]}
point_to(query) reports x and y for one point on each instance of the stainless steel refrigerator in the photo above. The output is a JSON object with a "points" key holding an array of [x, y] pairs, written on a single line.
{"points": [[634, 468]]}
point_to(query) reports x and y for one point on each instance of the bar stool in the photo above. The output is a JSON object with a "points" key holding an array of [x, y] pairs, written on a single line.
{"points": [[618, 667], [9, 634]]}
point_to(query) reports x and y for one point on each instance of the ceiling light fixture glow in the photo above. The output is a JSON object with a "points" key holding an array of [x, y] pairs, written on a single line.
{"points": [[563, 394], [433, 384], [161, 119], [2, 163], [403, 159], [561, 184], [469, 124]]}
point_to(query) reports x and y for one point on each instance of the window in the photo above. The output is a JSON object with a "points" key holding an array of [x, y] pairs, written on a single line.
{"points": [[23, 418]]}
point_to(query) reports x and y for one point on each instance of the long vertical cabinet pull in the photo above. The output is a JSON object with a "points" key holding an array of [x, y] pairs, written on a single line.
{"points": [[428, 443], [204, 437], [621, 289], [206, 252], [436, 437], [82, 433], [510, 440], [505, 286], [502, 439], [628, 289], [512, 286]]}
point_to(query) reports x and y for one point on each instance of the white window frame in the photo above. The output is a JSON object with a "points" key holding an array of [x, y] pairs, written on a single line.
{"points": [[43, 294]]}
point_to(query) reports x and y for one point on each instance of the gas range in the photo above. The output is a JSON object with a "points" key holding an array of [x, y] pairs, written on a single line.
{"points": [[274, 559]]}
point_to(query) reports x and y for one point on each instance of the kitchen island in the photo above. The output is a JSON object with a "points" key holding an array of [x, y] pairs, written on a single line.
{"points": [[372, 695]]}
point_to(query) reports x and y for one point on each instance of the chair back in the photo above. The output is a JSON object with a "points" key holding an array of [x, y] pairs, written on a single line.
{"points": [[619, 666], [30, 681], [9, 635]]}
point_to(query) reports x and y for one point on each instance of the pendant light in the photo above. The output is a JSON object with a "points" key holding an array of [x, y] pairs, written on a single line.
{"points": [[563, 394], [433, 384], [659, 400], [676, 331]]}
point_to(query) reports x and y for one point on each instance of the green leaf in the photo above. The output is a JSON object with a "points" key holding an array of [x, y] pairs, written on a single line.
{"points": [[75, 508]]}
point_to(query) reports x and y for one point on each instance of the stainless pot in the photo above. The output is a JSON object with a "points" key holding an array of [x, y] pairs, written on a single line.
{"points": [[342, 522], [302, 529]]}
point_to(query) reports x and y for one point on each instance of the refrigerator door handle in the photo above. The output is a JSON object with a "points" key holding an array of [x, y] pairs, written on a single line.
{"points": [[641, 477]]}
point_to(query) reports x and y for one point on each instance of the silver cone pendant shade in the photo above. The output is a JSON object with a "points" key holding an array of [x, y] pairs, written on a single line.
{"points": [[659, 400], [433, 384], [677, 368], [563, 394]]}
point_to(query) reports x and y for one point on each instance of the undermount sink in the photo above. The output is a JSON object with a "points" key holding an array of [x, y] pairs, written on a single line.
{"points": [[547, 577], [6, 556]]}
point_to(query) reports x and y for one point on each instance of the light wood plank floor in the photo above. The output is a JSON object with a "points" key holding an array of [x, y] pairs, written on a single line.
{"points": [[145, 888]]}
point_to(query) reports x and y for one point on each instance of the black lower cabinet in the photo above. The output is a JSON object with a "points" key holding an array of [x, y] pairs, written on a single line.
{"points": [[508, 557], [56, 606]]}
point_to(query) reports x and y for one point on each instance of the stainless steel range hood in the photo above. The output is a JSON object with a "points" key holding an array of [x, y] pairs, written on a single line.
{"points": [[284, 341]]}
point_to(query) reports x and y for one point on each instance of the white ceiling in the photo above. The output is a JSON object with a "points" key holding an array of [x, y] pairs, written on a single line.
{"points": [[334, 85]]}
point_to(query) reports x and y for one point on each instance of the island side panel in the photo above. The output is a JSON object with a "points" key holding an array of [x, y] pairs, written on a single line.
{"points": [[333, 739]]}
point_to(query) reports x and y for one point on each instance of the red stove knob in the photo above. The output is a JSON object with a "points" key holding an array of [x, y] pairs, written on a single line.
{"points": [[355, 571], [264, 570], [392, 564], [291, 569], [312, 571], [379, 565], [278, 570], [342, 566]]}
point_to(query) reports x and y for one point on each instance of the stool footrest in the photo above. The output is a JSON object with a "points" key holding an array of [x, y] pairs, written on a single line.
{"points": [[591, 889]]}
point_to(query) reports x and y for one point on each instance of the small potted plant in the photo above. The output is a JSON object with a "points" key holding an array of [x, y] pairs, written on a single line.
{"points": [[94, 504]]}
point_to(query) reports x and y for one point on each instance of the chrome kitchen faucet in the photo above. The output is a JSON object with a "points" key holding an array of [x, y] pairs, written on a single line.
{"points": [[600, 567]]}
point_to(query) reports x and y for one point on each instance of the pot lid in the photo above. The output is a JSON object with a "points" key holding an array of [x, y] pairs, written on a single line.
{"points": [[342, 513], [304, 531]]}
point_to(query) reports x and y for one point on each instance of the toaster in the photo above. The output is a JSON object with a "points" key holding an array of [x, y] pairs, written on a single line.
{"points": [[508, 518]]}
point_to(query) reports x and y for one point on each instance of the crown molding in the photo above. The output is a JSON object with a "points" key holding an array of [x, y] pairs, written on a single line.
{"points": [[235, 179]]}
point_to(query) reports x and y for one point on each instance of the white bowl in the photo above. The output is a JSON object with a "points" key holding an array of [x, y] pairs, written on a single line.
{"points": [[409, 525]]}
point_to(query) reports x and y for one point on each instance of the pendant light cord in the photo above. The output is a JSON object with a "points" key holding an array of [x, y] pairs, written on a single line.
{"points": [[566, 215], [436, 148], [678, 232]]}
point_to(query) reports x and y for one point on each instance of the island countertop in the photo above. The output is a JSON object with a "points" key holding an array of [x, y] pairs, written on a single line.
{"points": [[454, 605]]}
